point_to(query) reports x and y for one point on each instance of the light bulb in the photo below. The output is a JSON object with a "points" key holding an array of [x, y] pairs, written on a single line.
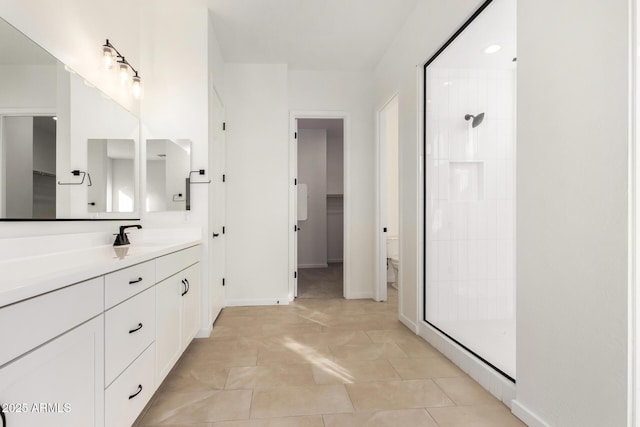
{"points": [[123, 70], [136, 87], [107, 55]]}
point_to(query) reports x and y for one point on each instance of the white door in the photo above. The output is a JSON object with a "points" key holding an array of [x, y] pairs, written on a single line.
{"points": [[217, 207]]}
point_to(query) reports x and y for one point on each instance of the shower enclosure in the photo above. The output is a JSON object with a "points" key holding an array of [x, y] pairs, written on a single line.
{"points": [[469, 188]]}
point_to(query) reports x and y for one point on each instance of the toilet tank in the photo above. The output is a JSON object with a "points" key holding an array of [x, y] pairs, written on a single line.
{"points": [[393, 247]]}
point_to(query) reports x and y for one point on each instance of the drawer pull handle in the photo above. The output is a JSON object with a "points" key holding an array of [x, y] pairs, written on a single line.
{"points": [[4, 420], [188, 284], [136, 329], [133, 282], [137, 392], [185, 288]]}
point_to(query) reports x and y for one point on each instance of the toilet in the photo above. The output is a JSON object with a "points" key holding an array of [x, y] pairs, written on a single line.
{"points": [[393, 258]]}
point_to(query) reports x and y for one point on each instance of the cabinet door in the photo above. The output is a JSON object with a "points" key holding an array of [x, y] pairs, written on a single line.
{"points": [[168, 316], [190, 304], [58, 384]]}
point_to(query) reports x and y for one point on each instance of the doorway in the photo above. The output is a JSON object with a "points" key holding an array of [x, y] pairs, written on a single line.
{"points": [[319, 206], [388, 271]]}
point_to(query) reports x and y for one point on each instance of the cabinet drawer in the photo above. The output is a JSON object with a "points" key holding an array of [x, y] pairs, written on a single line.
{"points": [[29, 323], [125, 283], [169, 265], [129, 328], [127, 396]]}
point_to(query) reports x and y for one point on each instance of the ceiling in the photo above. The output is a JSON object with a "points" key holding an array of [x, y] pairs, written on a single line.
{"points": [[339, 35], [18, 49]]}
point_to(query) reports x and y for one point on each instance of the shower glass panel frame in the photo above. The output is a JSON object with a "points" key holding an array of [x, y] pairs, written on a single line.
{"points": [[469, 186]]}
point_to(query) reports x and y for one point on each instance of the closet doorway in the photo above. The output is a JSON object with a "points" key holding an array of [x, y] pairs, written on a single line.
{"points": [[319, 223]]}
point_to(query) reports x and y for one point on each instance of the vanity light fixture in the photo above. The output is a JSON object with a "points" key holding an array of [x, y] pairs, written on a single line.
{"points": [[111, 56]]}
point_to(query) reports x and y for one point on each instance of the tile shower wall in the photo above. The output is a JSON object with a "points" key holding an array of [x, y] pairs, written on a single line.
{"points": [[470, 199]]}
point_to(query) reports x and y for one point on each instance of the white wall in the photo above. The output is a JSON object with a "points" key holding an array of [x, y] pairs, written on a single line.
{"points": [[312, 171], [176, 43], [27, 86], [257, 190], [92, 116], [349, 92], [430, 24], [572, 212]]}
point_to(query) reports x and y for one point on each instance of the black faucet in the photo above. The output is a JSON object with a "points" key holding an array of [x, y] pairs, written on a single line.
{"points": [[121, 238]]}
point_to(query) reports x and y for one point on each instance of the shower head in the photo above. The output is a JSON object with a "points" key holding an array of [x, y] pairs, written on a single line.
{"points": [[477, 119]]}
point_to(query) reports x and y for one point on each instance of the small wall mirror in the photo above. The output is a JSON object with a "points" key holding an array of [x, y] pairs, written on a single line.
{"points": [[168, 166], [112, 174]]}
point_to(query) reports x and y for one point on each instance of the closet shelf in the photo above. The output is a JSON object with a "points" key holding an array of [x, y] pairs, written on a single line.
{"points": [[335, 195]]}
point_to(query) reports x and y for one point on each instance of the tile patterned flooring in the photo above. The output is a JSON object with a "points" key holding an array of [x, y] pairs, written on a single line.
{"points": [[324, 363]]}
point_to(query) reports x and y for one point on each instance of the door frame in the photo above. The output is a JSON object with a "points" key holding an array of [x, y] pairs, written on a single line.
{"points": [[293, 195], [216, 130], [380, 293]]}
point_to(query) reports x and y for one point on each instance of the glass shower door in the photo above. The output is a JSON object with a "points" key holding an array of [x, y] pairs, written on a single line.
{"points": [[470, 187]]}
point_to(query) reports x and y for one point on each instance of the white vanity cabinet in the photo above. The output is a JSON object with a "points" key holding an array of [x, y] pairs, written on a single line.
{"points": [[93, 353], [177, 307], [57, 378]]}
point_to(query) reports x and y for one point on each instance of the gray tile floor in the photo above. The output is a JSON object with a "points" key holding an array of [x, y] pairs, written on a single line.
{"points": [[319, 362]]}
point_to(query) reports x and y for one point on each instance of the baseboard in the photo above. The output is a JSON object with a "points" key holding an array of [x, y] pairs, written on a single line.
{"points": [[313, 265], [254, 302], [204, 332], [360, 295], [487, 377], [526, 415], [408, 323]]}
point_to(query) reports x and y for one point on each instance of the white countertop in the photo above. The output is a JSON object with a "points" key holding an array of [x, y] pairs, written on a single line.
{"points": [[26, 277]]}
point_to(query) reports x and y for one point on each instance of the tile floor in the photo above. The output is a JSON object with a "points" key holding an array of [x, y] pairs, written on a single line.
{"points": [[325, 363], [323, 283]]}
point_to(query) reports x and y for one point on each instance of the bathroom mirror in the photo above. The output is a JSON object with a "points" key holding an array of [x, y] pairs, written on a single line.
{"points": [[50, 120], [168, 166], [111, 170]]}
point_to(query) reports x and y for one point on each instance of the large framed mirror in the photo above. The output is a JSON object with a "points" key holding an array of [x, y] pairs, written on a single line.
{"points": [[63, 143]]}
